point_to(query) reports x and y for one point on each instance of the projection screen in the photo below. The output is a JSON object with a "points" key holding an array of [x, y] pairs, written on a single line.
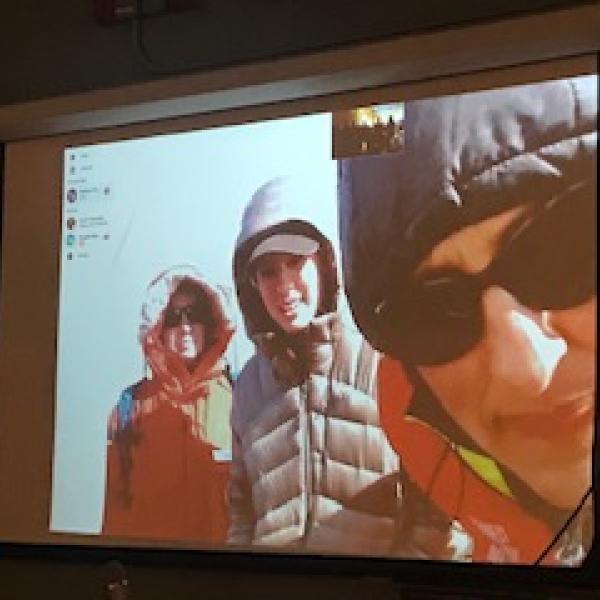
{"points": [[360, 326]]}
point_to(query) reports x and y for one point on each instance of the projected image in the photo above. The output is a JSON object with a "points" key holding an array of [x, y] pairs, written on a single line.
{"points": [[383, 352], [368, 130]]}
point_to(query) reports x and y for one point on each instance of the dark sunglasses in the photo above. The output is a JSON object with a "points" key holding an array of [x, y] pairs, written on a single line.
{"points": [[174, 315], [547, 261]]}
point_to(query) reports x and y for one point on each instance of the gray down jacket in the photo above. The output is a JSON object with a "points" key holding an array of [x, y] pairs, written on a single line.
{"points": [[302, 452], [305, 441]]}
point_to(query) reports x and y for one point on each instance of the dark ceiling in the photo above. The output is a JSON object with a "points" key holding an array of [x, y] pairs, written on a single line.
{"points": [[56, 48]]}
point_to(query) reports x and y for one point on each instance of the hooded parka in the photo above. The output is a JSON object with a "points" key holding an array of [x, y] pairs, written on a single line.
{"points": [[466, 158], [169, 440], [306, 434]]}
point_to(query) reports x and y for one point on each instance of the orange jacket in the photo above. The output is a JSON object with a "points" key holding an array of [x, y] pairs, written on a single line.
{"points": [[499, 528], [174, 489], [169, 440]]}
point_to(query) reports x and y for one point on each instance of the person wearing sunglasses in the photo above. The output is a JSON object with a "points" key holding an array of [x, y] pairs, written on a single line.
{"points": [[169, 441], [479, 287], [306, 435]]}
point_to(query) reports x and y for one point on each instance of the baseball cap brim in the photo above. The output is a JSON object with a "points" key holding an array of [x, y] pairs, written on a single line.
{"points": [[289, 243]]}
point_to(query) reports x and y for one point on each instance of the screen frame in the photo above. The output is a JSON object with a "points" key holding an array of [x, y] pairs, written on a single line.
{"points": [[100, 119]]}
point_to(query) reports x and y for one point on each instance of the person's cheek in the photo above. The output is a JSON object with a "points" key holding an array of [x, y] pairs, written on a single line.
{"points": [[266, 291], [199, 337], [523, 350]]}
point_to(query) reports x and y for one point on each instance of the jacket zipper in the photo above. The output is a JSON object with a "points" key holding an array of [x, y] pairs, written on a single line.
{"points": [[306, 439]]}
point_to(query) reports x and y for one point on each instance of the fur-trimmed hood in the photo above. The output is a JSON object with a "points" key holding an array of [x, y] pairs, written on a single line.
{"points": [[167, 368]]}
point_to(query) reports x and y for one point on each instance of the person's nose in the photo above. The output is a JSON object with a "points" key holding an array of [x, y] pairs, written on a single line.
{"points": [[285, 279], [185, 323], [523, 348]]}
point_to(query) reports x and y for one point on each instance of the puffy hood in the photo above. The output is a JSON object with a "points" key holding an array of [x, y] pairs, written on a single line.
{"points": [[466, 158], [167, 368], [285, 205]]}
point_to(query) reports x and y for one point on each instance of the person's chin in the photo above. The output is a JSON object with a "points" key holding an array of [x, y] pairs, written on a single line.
{"points": [[189, 355], [293, 324], [293, 328], [568, 421]]}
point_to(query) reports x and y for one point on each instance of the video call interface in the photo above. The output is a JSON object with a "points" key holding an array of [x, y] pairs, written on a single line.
{"points": [[370, 332]]}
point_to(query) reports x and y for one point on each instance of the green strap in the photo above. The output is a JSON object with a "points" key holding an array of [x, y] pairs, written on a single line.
{"points": [[486, 468]]}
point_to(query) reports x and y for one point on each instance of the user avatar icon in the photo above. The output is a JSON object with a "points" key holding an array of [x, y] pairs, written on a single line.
{"points": [[70, 239], [71, 222], [71, 195]]}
